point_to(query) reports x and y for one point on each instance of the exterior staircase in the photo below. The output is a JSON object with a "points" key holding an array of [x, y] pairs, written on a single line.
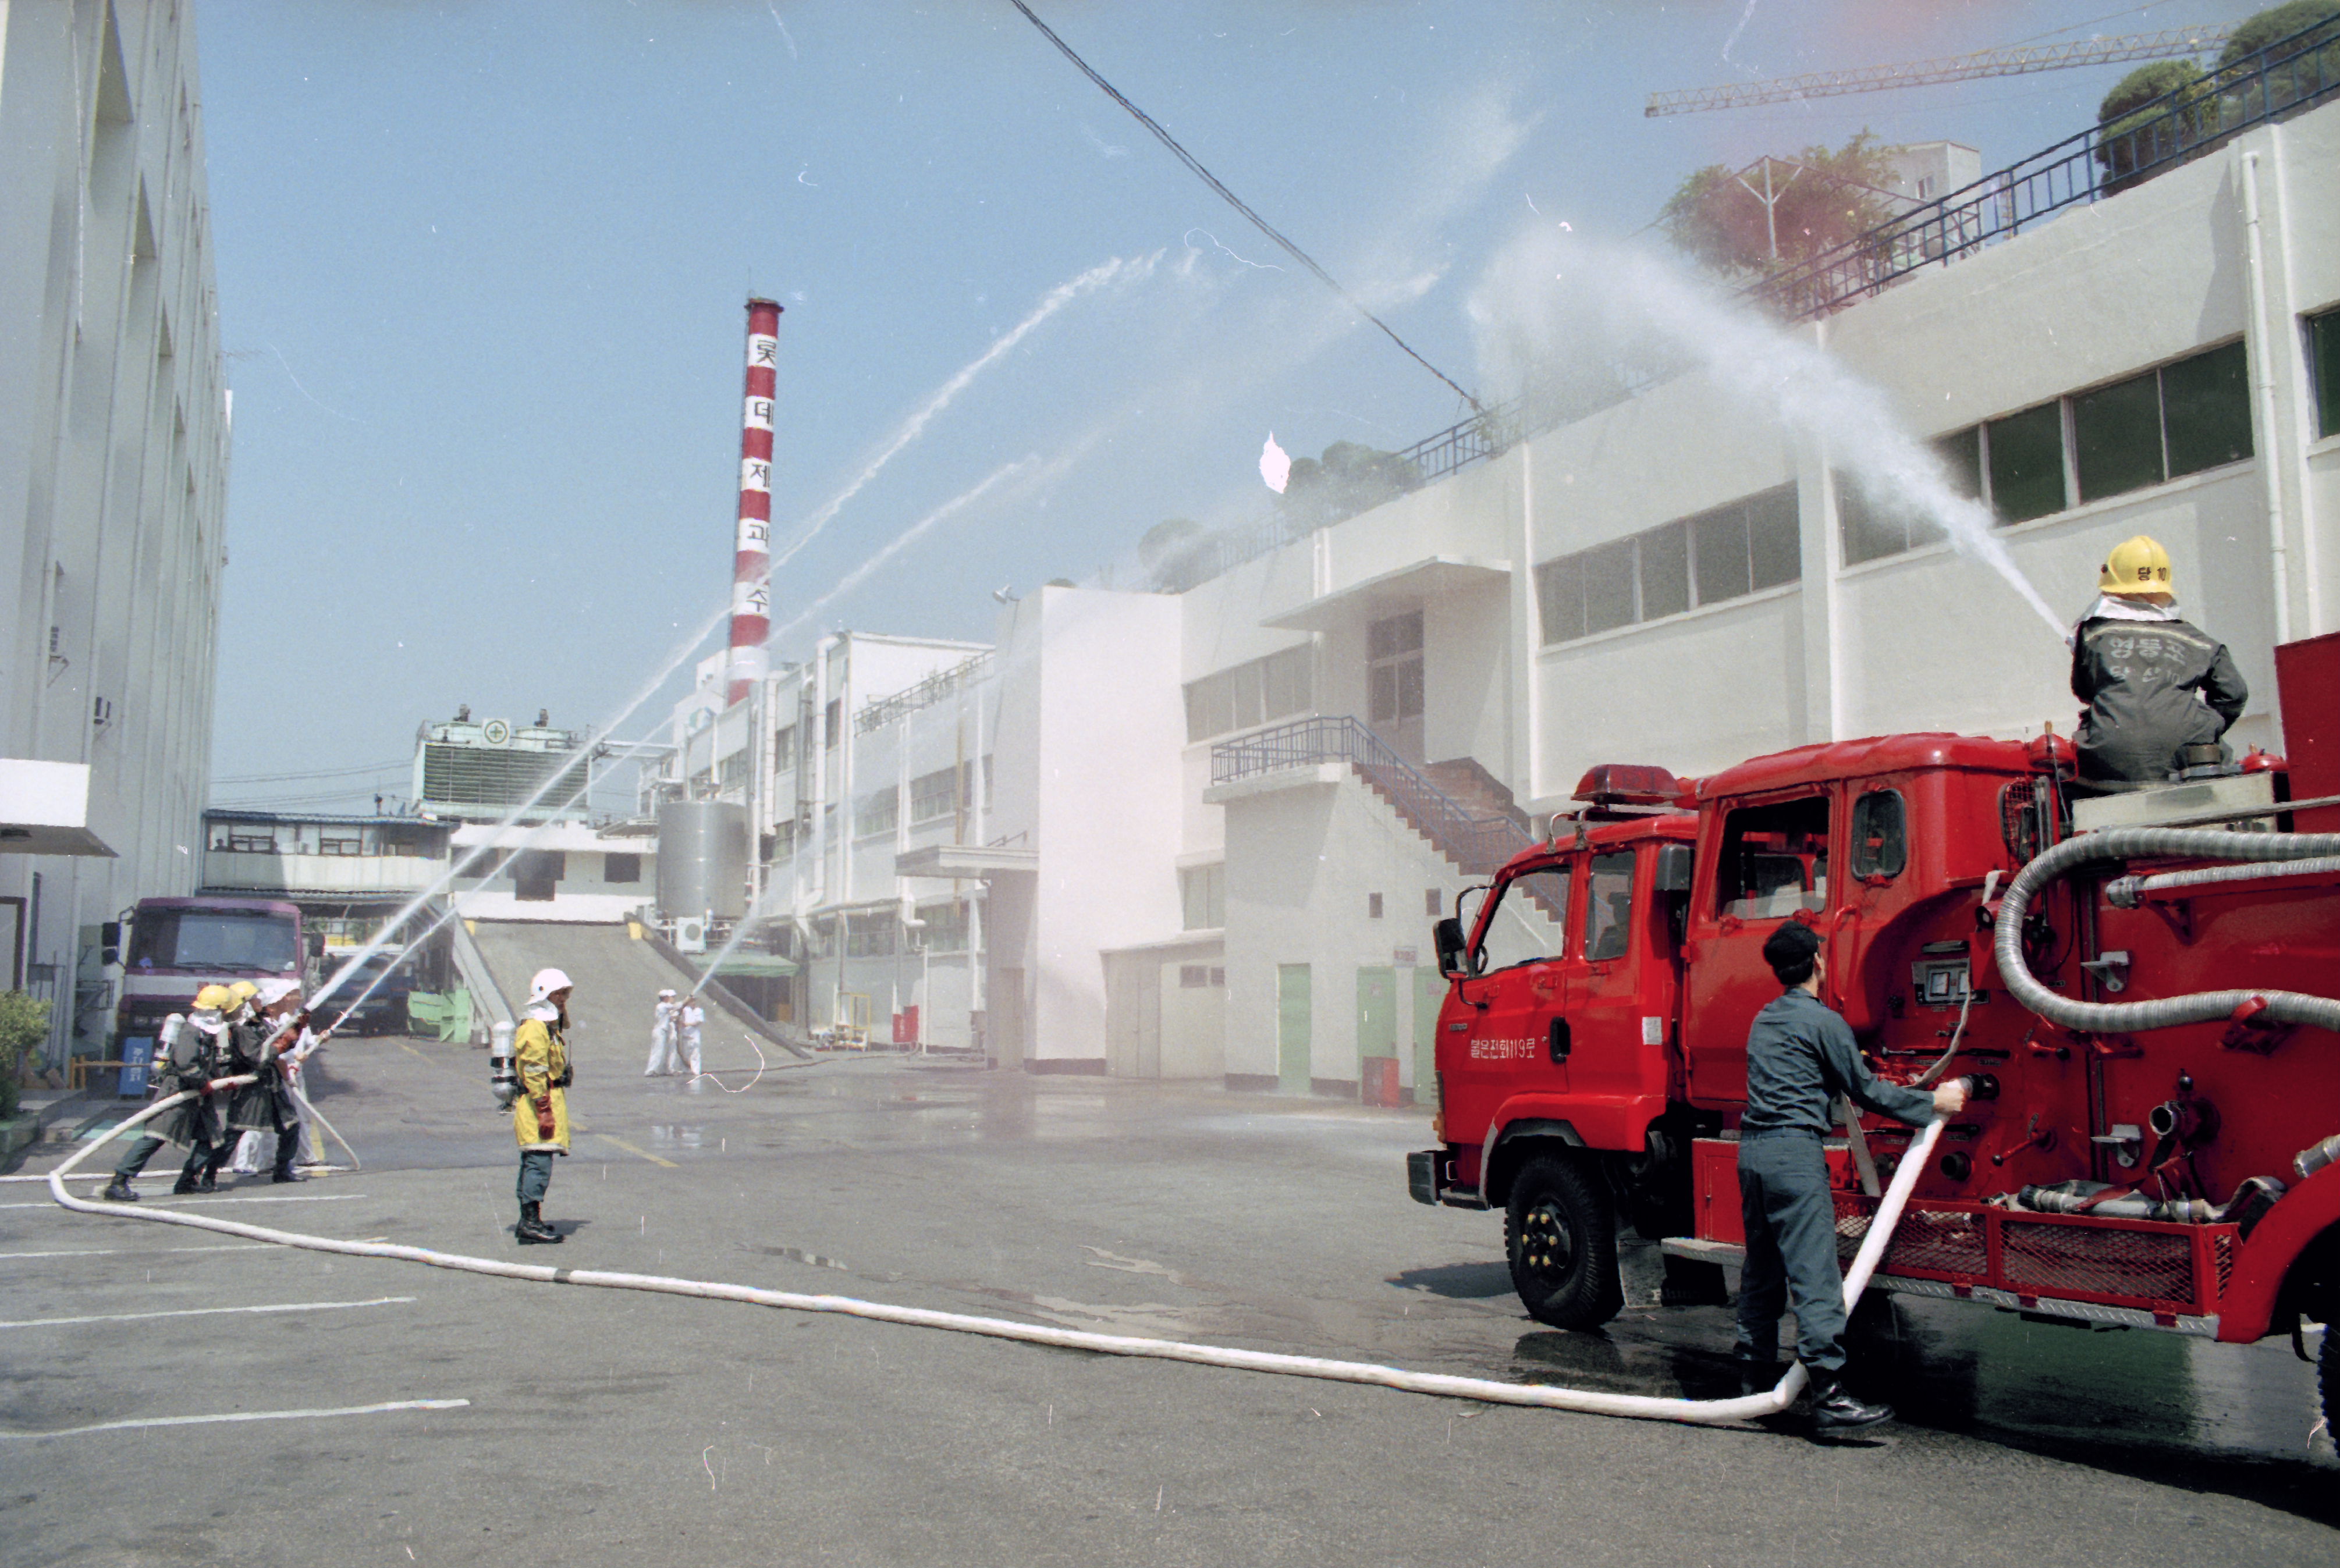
{"points": [[1462, 809]]}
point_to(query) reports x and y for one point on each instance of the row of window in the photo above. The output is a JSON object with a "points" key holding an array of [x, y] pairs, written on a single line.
{"points": [[936, 796], [880, 932], [2323, 362], [2174, 420], [1726, 554], [1246, 694]]}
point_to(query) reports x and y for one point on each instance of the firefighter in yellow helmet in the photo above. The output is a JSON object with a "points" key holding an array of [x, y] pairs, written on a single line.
{"points": [[2154, 685], [189, 1052], [541, 1111]]}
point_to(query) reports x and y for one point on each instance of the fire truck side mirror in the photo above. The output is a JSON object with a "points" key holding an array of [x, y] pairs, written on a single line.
{"points": [[109, 942], [1448, 936], [1673, 867]]}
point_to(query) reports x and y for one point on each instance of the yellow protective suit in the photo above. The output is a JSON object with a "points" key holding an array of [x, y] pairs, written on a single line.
{"points": [[543, 1062]]}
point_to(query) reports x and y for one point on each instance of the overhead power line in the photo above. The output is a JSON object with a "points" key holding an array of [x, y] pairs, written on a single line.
{"points": [[1262, 224], [2166, 44], [395, 764]]}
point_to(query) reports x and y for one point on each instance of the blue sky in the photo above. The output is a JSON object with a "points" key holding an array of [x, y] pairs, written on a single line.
{"points": [[483, 263]]}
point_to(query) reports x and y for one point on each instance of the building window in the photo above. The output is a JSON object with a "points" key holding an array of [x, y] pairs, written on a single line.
{"points": [[941, 793], [1393, 668], [829, 722], [1249, 695], [332, 843], [877, 812], [251, 843], [870, 933], [2180, 418], [536, 874], [1203, 895], [2024, 456], [784, 750], [621, 868], [946, 927], [1875, 526], [1709, 560], [732, 770], [1372, 906], [2324, 357], [823, 936]]}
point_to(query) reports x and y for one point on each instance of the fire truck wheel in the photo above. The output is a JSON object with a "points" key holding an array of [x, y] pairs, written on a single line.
{"points": [[1559, 1233], [2327, 1373]]}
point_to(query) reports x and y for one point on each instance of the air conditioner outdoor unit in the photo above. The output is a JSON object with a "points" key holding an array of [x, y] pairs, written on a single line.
{"points": [[690, 934]]}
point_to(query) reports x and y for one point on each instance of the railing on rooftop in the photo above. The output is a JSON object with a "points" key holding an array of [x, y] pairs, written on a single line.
{"points": [[2288, 76], [1478, 844], [933, 689]]}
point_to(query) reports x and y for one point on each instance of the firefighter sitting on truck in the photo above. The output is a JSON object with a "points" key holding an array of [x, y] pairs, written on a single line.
{"points": [[1801, 1057], [2153, 684]]}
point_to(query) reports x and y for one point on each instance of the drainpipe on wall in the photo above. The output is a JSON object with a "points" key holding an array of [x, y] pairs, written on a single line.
{"points": [[2262, 359]]}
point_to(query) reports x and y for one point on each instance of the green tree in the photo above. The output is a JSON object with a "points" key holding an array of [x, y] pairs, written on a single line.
{"points": [[2138, 130], [2273, 26], [1819, 200], [1348, 480], [2306, 68], [24, 1025]]}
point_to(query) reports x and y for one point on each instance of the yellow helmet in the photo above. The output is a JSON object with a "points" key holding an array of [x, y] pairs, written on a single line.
{"points": [[243, 990], [218, 998], [2138, 566]]}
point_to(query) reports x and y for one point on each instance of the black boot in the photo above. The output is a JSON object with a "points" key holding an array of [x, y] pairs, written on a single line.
{"points": [[118, 1191], [1757, 1372], [532, 1229], [186, 1182], [284, 1171], [1836, 1408]]}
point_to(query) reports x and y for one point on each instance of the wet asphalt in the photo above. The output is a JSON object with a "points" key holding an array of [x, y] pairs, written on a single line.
{"points": [[619, 1427]]}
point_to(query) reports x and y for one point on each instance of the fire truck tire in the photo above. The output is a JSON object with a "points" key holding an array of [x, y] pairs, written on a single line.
{"points": [[1559, 1234], [2327, 1376]]}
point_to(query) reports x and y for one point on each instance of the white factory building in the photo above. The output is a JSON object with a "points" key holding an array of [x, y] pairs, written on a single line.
{"points": [[114, 456], [1203, 833]]}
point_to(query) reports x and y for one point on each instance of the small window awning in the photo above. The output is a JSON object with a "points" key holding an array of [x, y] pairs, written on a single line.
{"points": [[1389, 592], [965, 861], [44, 809]]}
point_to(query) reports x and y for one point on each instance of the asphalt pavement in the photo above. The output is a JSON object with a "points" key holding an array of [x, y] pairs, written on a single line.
{"points": [[360, 1411]]}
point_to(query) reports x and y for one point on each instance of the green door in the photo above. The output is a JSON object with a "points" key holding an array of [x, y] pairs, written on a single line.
{"points": [[1376, 1011], [1291, 1028], [1429, 996]]}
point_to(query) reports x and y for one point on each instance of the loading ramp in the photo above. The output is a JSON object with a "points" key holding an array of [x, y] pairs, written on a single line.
{"points": [[618, 971]]}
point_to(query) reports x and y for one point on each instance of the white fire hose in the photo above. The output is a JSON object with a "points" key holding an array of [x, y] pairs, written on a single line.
{"points": [[1707, 1411]]}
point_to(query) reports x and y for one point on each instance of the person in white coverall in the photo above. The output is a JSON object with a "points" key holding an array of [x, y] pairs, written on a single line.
{"points": [[689, 1018], [662, 1054]]}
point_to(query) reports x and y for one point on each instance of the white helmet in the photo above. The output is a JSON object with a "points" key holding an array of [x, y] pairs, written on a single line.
{"points": [[546, 983], [667, 993]]}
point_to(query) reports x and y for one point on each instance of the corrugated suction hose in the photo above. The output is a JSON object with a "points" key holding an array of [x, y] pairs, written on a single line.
{"points": [[1708, 1412], [2164, 1012]]}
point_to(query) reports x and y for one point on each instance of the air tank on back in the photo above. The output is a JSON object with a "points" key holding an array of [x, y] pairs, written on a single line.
{"points": [[702, 859]]}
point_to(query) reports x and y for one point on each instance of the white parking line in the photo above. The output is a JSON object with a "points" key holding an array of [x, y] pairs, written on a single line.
{"points": [[303, 1198], [241, 1416], [118, 1251], [205, 1312]]}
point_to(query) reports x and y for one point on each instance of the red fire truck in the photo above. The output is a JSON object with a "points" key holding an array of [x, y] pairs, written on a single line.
{"points": [[2139, 984]]}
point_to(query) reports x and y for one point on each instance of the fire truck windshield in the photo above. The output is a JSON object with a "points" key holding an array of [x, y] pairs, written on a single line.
{"points": [[1525, 923], [214, 941]]}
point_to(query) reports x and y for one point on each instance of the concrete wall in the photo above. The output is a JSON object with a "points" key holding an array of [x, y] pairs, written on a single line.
{"points": [[113, 441]]}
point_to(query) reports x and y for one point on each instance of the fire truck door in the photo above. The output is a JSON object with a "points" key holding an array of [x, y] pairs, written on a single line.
{"points": [[1518, 996], [1608, 941]]}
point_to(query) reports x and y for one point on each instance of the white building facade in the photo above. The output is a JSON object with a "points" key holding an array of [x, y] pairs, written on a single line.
{"points": [[1205, 832], [114, 456]]}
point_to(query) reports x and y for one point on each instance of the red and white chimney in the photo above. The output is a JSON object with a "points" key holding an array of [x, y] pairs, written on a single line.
{"points": [[752, 561]]}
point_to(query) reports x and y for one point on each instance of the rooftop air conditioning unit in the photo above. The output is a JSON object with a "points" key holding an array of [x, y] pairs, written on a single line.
{"points": [[690, 934]]}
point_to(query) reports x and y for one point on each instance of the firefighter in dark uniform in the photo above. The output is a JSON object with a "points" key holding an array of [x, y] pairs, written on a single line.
{"points": [[189, 1055], [2154, 685], [1800, 1059]]}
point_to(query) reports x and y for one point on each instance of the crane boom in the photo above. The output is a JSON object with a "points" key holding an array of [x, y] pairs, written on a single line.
{"points": [[2166, 44]]}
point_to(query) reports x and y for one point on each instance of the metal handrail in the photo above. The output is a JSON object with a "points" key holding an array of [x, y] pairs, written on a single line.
{"points": [[2288, 75], [1479, 845]]}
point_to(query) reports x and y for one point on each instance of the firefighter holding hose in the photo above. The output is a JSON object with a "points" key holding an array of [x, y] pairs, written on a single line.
{"points": [[189, 1053], [1801, 1057], [2154, 685], [541, 1111]]}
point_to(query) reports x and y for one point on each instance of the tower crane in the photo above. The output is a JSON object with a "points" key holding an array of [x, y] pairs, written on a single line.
{"points": [[2168, 44]]}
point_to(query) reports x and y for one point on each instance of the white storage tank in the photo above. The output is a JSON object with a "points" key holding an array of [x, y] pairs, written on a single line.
{"points": [[702, 859]]}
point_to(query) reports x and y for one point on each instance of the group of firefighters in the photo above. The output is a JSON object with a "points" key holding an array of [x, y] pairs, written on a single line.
{"points": [[233, 1030]]}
